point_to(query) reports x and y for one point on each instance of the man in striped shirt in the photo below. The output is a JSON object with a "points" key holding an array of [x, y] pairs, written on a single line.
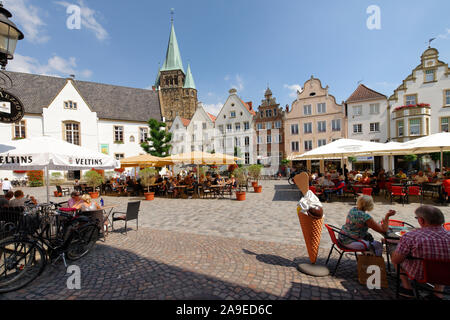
{"points": [[430, 241]]}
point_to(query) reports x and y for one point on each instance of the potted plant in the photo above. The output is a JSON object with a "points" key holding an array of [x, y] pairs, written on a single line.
{"points": [[241, 178], [93, 179], [148, 177], [255, 172]]}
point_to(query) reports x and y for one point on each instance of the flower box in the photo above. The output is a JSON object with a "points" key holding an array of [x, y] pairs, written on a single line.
{"points": [[419, 105]]}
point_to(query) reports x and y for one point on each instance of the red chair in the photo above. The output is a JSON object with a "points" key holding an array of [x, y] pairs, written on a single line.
{"points": [[397, 191], [415, 191], [447, 226], [367, 191], [388, 189], [332, 230], [435, 272], [447, 191]]}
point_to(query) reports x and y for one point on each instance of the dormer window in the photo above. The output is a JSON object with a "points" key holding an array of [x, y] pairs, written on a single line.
{"points": [[70, 105]]}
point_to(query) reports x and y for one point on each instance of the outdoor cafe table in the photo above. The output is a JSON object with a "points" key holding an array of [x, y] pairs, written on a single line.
{"points": [[218, 190], [182, 190], [110, 207], [435, 188], [392, 238]]}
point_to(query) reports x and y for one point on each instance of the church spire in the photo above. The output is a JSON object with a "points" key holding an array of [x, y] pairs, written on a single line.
{"points": [[173, 56], [189, 82]]}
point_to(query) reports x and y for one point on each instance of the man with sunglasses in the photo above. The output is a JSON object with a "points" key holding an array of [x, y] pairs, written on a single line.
{"points": [[430, 241]]}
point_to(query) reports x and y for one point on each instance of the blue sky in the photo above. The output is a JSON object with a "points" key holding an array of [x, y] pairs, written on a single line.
{"points": [[247, 44]]}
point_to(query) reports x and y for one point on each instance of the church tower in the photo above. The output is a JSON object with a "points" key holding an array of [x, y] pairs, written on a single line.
{"points": [[177, 91]]}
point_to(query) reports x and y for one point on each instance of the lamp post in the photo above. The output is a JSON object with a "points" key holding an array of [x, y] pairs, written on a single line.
{"points": [[9, 35]]}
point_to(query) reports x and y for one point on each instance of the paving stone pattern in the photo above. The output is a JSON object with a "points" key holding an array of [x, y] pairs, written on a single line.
{"points": [[213, 248]]}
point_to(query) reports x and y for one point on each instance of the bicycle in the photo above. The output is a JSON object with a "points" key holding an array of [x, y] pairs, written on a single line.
{"points": [[24, 256]]}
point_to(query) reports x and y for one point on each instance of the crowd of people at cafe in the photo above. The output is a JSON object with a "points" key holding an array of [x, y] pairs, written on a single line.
{"points": [[334, 182]]}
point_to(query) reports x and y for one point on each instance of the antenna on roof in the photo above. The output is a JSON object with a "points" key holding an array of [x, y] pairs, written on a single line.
{"points": [[429, 42]]}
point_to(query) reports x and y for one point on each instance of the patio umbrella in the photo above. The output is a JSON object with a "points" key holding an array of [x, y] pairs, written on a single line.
{"points": [[46, 153], [144, 160], [202, 158], [339, 149]]}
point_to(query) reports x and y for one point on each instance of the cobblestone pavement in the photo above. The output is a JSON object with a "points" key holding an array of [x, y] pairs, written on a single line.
{"points": [[224, 249], [166, 265]]}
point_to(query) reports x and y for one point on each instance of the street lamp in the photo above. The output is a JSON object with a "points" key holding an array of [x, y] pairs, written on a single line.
{"points": [[9, 35]]}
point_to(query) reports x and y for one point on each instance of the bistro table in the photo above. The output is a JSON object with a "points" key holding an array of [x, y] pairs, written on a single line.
{"points": [[435, 188], [392, 238], [218, 190], [182, 191], [107, 218]]}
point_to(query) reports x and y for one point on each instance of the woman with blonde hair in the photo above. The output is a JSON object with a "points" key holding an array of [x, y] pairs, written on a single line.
{"points": [[87, 204], [358, 223]]}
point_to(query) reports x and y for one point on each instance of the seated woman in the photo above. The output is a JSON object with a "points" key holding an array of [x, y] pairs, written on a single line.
{"points": [[365, 179], [357, 224], [88, 205]]}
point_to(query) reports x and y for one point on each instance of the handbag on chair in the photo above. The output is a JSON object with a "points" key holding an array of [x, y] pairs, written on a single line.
{"points": [[366, 261]]}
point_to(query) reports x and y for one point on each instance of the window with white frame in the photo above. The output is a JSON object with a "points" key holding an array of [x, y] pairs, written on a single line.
{"points": [[247, 158], [233, 114], [221, 128], [269, 139], [322, 126], [336, 125], [294, 146], [414, 127], [375, 127], [321, 142], [307, 127], [229, 128], [269, 125], [357, 110], [237, 142], [72, 132], [262, 114], [294, 128], [444, 124], [400, 128], [447, 97], [259, 126], [357, 128], [70, 105], [321, 108], [204, 125], [268, 113], [118, 134], [246, 126], [411, 100], [247, 141], [143, 135], [20, 130], [307, 110], [430, 75], [308, 145], [237, 127], [374, 108], [275, 112], [278, 125], [259, 139], [119, 156]]}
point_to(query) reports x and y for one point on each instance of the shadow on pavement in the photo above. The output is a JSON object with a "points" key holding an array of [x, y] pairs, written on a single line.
{"points": [[286, 193]]}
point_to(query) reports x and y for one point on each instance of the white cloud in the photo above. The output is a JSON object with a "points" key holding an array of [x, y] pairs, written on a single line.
{"points": [[445, 35], [56, 66], [89, 19], [28, 19], [293, 88], [214, 109]]}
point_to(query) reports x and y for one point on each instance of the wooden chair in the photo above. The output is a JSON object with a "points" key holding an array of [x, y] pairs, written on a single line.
{"points": [[131, 214]]}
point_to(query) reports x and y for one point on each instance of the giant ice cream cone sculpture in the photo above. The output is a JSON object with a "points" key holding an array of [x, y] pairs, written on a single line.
{"points": [[312, 232], [311, 226]]}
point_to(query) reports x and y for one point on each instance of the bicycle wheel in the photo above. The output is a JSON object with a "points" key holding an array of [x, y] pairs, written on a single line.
{"points": [[21, 261], [81, 241], [291, 181]]}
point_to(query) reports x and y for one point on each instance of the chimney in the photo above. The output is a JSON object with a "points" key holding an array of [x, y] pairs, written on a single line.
{"points": [[287, 108], [250, 104]]}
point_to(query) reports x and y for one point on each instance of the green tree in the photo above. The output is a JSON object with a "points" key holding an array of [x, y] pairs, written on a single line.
{"points": [[158, 144]]}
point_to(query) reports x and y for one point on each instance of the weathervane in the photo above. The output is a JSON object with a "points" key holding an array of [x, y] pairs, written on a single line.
{"points": [[429, 42]]}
